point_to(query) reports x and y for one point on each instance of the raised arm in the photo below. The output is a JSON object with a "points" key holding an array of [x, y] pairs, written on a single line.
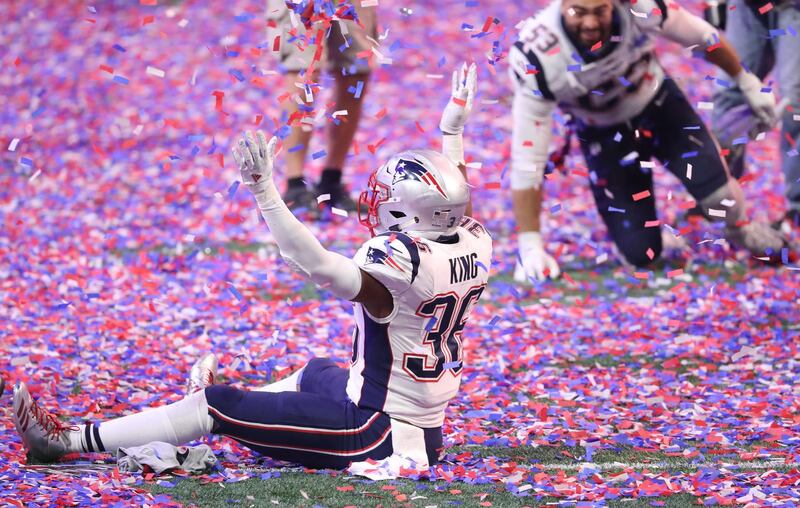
{"points": [[532, 129], [689, 30], [298, 246], [454, 117]]}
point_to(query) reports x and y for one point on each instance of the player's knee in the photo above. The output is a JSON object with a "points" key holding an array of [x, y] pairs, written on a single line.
{"points": [[223, 397]]}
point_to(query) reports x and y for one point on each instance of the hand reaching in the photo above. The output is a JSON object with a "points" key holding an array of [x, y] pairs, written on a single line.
{"points": [[464, 87], [255, 158]]}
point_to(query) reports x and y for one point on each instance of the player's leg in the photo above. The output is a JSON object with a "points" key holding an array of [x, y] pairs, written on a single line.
{"points": [[788, 74], [47, 438], [685, 146], [623, 190], [750, 38], [317, 426], [350, 55], [295, 53]]}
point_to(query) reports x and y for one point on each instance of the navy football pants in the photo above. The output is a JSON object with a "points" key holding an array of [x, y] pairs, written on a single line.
{"points": [[317, 427], [671, 131]]}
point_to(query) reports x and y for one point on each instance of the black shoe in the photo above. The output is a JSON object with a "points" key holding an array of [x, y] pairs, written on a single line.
{"points": [[340, 198], [300, 199]]}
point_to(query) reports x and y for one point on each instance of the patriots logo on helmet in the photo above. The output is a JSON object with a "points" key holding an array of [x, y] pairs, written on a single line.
{"points": [[413, 170]]}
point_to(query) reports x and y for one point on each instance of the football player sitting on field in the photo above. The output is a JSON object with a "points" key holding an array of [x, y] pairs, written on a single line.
{"points": [[414, 285], [596, 60]]}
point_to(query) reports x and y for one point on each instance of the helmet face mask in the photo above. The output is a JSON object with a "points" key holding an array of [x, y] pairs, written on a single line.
{"points": [[417, 191], [375, 194]]}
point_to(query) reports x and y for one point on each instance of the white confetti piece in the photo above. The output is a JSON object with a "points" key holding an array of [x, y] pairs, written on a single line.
{"points": [[13, 145], [688, 171], [154, 71], [705, 105], [717, 213]]}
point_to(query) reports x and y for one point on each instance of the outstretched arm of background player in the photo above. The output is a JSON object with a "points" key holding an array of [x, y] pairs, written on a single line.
{"points": [[690, 30], [455, 115], [531, 134], [298, 246]]}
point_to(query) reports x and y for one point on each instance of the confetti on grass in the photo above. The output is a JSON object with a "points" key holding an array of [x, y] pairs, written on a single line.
{"points": [[121, 267]]}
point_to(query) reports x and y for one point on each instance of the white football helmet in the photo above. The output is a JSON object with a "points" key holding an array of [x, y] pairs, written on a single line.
{"points": [[419, 191]]}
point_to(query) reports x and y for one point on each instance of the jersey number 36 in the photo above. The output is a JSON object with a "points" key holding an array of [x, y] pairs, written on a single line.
{"points": [[448, 313]]}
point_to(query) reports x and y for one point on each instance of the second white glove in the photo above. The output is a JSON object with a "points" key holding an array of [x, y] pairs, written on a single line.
{"points": [[762, 103], [536, 262]]}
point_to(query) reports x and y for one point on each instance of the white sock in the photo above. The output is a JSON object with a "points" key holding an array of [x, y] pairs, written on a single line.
{"points": [[177, 423], [287, 384]]}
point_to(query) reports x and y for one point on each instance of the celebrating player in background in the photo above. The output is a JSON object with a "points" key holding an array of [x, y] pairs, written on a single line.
{"points": [[751, 25], [307, 36], [596, 60], [414, 286]]}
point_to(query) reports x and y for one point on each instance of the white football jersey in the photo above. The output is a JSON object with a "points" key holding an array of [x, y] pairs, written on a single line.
{"points": [[409, 363], [613, 87]]}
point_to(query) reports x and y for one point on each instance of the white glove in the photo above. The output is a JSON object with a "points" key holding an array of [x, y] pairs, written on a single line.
{"points": [[535, 260], [255, 158], [762, 103], [464, 86]]}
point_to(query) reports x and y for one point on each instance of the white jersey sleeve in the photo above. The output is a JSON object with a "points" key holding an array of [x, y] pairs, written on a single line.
{"points": [[391, 262]]}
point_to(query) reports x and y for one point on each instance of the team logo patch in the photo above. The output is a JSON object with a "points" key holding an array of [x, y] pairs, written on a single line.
{"points": [[413, 170], [377, 256]]}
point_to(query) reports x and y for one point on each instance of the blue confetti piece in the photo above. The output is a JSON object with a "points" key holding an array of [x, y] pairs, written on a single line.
{"points": [[574, 68], [430, 324], [25, 161], [235, 292], [243, 18], [195, 151], [232, 189], [785, 256], [236, 73], [232, 54], [689, 154], [471, 3], [296, 148], [624, 81], [494, 321], [692, 128], [318, 155], [617, 137], [777, 33], [615, 210], [119, 48], [451, 365], [38, 111], [121, 80], [466, 26], [555, 208], [740, 141]]}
